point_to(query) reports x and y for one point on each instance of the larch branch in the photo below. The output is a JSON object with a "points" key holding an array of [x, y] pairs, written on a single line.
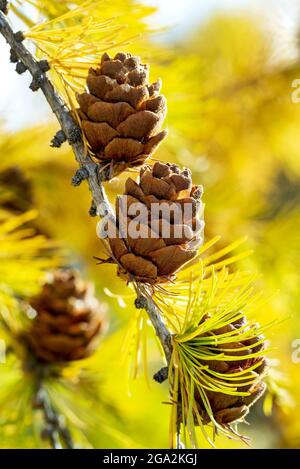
{"points": [[92, 170]]}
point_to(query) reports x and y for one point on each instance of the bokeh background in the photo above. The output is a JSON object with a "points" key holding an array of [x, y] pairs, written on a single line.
{"points": [[227, 69]]}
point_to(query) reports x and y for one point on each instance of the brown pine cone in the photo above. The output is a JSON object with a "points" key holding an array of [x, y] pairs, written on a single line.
{"points": [[69, 319], [122, 113], [227, 408], [152, 248]]}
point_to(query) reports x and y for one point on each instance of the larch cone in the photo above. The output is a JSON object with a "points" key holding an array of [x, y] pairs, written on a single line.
{"points": [[152, 249], [69, 319], [122, 114]]}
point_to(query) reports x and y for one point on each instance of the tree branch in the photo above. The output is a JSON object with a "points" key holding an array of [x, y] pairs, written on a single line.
{"points": [[162, 332], [55, 429], [89, 170]]}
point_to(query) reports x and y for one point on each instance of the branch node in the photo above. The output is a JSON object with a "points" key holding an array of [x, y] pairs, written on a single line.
{"points": [[4, 6], [80, 175], [93, 210], [140, 302], [74, 135], [53, 418], [38, 400], [19, 36], [13, 56], [37, 81], [20, 68], [104, 174], [44, 66], [161, 375], [58, 139], [47, 432]]}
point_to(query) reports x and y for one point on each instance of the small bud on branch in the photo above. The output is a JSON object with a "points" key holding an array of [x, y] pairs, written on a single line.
{"points": [[161, 375], [13, 56], [80, 175], [93, 210], [21, 68], [37, 81], [44, 65], [19, 36], [74, 135], [140, 302], [58, 139]]}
